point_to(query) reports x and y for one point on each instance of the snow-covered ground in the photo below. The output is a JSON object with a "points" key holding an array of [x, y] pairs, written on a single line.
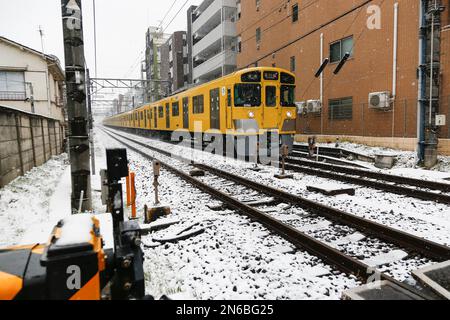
{"points": [[32, 204]]}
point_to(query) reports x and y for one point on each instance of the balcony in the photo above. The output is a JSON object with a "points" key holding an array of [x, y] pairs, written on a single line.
{"points": [[12, 96], [212, 65], [211, 16], [227, 29]]}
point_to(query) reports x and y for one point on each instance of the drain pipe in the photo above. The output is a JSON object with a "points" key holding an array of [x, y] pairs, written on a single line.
{"points": [[421, 86], [394, 67]]}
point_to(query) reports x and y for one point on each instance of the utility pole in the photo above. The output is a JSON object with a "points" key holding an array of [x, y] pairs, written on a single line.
{"points": [[78, 131]]}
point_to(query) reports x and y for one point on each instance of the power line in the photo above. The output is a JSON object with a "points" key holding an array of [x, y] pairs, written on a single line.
{"points": [[178, 12], [311, 32], [167, 13]]}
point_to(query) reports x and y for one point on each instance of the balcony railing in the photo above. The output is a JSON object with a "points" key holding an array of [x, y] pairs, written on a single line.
{"points": [[12, 96]]}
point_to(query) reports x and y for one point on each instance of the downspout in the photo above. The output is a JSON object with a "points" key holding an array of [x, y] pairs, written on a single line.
{"points": [[321, 84], [394, 67], [421, 87]]}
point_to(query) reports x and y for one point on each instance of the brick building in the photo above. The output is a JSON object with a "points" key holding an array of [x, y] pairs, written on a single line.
{"points": [[384, 57]]}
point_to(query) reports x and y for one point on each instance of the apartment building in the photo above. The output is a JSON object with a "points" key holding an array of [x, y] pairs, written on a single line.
{"points": [[30, 80], [212, 42], [374, 98], [174, 68], [154, 42]]}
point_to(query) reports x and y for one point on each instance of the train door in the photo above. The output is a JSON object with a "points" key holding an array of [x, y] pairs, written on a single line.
{"points": [[167, 115], [270, 107], [186, 113], [214, 107], [155, 115]]}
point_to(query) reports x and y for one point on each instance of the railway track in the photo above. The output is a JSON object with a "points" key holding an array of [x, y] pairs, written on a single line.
{"points": [[247, 197], [391, 183]]}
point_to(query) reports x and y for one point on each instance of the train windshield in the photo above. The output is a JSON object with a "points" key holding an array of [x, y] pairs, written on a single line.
{"points": [[247, 95], [288, 96]]}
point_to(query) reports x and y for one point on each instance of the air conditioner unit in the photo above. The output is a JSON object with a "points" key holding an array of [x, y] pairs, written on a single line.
{"points": [[301, 107], [314, 106], [380, 100]]}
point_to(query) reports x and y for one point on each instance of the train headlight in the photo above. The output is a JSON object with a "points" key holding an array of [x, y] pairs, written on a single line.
{"points": [[289, 114], [251, 115]]}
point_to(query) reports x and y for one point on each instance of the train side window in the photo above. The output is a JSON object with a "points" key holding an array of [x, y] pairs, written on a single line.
{"points": [[229, 97], [161, 112], [198, 103], [271, 96], [175, 109]]}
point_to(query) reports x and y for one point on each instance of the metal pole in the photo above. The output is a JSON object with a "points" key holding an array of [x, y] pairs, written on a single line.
{"points": [[76, 104], [91, 120]]}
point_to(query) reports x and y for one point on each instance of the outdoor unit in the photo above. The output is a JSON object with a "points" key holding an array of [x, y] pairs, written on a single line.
{"points": [[380, 100], [301, 107], [314, 106]]}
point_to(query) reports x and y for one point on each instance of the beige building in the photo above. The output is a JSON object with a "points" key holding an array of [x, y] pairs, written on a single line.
{"points": [[30, 80]]}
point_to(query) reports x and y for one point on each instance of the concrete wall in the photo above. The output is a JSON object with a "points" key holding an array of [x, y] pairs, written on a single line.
{"points": [[26, 141]]}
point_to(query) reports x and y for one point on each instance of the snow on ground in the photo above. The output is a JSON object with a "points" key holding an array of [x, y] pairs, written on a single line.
{"points": [[422, 218], [232, 259], [32, 204]]}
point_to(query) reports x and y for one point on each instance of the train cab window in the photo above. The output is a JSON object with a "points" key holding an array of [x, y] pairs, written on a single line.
{"points": [[198, 104], [287, 96], [287, 78], [175, 109], [160, 112], [271, 96], [247, 95]]}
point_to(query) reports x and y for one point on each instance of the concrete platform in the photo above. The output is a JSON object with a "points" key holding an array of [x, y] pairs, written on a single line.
{"points": [[435, 277], [379, 290], [331, 189]]}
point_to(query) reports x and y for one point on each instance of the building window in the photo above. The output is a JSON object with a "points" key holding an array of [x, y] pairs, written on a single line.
{"points": [[339, 48], [295, 12], [12, 85], [258, 35], [175, 109], [258, 4], [340, 109], [198, 104], [293, 64]]}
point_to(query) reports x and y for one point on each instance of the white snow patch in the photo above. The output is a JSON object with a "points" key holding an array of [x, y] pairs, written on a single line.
{"points": [[386, 258]]}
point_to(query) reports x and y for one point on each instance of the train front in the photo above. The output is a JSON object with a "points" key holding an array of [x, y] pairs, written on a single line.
{"points": [[264, 102]]}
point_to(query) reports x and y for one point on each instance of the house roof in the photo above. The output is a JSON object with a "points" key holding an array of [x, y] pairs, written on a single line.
{"points": [[53, 62]]}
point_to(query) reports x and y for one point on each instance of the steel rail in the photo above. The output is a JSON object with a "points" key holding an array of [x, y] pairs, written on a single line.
{"points": [[425, 247], [434, 185], [409, 192]]}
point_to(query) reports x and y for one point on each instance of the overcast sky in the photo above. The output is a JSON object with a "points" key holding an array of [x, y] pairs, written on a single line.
{"points": [[121, 27]]}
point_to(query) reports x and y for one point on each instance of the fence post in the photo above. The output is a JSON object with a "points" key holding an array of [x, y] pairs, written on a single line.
{"points": [[32, 141], [49, 138], [43, 140], [19, 143]]}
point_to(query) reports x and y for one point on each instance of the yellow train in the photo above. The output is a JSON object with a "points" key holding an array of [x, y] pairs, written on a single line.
{"points": [[254, 101]]}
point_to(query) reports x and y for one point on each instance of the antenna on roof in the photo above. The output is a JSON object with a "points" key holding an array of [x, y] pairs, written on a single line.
{"points": [[41, 33]]}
